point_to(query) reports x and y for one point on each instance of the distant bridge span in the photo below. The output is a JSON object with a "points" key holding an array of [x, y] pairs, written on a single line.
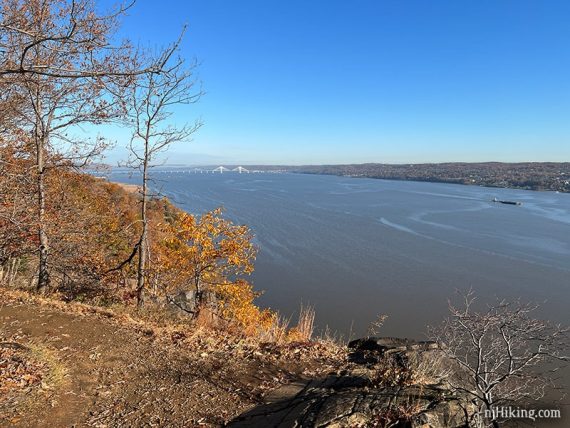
{"points": [[220, 169]]}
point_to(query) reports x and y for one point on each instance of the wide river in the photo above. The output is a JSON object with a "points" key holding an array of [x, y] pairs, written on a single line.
{"points": [[356, 248]]}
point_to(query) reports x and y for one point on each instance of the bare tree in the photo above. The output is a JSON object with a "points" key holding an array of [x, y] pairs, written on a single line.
{"points": [[57, 61], [68, 34], [151, 101], [503, 354]]}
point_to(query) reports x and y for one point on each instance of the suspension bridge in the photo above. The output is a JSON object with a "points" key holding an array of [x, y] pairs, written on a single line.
{"points": [[207, 170]]}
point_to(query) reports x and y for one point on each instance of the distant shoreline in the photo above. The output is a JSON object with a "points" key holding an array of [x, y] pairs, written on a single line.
{"points": [[417, 180], [544, 176], [536, 176]]}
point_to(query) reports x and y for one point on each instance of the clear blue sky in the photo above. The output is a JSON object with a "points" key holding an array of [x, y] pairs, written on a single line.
{"points": [[292, 82]]}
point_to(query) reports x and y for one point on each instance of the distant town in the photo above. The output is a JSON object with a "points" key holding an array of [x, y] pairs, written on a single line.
{"points": [[551, 176]]}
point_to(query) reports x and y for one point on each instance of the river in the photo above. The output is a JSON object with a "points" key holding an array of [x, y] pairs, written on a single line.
{"points": [[355, 248]]}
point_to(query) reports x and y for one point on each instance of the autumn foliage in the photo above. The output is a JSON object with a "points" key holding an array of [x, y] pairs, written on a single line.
{"points": [[69, 233], [94, 226], [205, 251]]}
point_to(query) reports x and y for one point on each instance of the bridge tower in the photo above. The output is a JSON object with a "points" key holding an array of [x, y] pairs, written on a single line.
{"points": [[220, 169]]}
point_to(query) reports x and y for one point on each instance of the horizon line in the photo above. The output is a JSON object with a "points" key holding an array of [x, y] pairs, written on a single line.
{"points": [[339, 163]]}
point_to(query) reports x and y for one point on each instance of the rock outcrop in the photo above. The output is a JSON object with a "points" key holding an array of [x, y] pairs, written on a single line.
{"points": [[379, 388]]}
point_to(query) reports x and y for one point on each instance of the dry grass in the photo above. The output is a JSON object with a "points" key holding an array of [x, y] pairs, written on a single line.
{"points": [[56, 374], [428, 368], [331, 337], [279, 332], [276, 332], [375, 326], [413, 368], [392, 371], [306, 323]]}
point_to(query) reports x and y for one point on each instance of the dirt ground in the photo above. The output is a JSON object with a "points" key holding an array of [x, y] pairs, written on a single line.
{"points": [[98, 372]]}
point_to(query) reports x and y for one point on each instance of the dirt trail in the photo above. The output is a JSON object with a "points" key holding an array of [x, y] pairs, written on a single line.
{"points": [[117, 376]]}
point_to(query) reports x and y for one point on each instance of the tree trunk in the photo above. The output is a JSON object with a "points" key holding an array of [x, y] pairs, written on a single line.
{"points": [[141, 269], [143, 244], [198, 296], [43, 250], [43, 271]]}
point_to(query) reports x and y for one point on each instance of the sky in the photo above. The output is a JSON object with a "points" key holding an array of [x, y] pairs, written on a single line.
{"points": [[400, 81]]}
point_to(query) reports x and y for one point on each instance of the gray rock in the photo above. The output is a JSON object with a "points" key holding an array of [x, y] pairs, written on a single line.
{"points": [[184, 301], [354, 398], [390, 344]]}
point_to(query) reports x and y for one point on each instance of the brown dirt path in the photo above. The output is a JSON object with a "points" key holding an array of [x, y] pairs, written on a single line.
{"points": [[72, 341], [111, 375]]}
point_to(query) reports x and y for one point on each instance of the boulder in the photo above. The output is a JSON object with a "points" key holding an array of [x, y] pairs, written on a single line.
{"points": [[355, 398], [390, 344]]}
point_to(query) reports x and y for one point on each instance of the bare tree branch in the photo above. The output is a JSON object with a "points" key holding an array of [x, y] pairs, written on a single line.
{"points": [[502, 352]]}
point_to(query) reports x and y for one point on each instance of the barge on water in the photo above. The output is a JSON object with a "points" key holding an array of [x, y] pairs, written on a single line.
{"points": [[506, 202]]}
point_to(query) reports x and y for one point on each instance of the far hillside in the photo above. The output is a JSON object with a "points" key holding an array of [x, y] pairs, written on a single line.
{"points": [[527, 175]]}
